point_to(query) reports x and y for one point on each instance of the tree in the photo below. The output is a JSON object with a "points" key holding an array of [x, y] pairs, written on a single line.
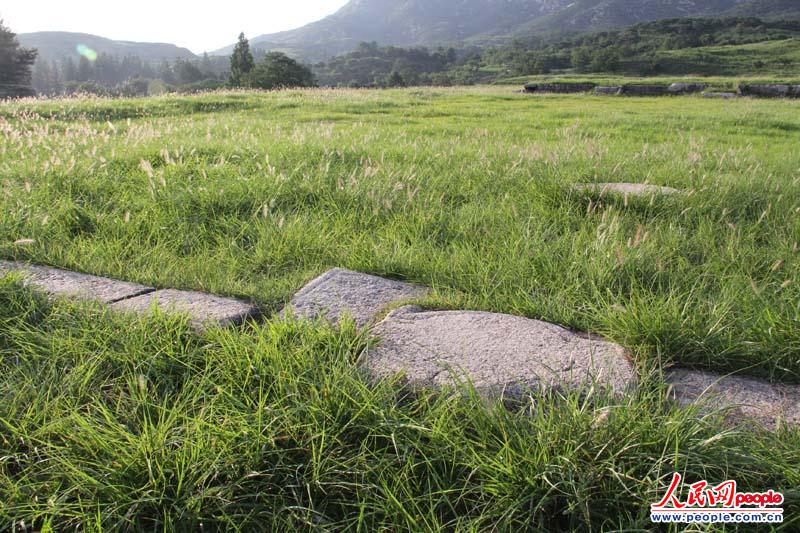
{"points": [[187, 72], [107, 70], [166, 74], [241, 61], [607, 60], [395, 79], [84, 73], [15, 66], [41, 77], [581, 58], [68, 69], [277, 70], [206, 66]]}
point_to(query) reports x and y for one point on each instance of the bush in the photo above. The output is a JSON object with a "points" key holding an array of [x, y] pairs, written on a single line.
{"points": [[277, 70], [135, 87]]}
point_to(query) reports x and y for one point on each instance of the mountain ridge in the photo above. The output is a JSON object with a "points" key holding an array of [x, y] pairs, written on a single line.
{"points": [[412, 23], [443, 22], [55, 45]]}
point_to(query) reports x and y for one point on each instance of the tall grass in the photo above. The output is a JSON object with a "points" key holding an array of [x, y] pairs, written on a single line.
{"points": [[107, 422], [464, 190]]}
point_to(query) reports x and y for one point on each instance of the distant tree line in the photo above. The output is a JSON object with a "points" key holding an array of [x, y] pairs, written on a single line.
{"points": [[275, 70], [15, 66], [637, 49], [105, 74], [128, 75], [131, 76], [641, 49], [371, 65]]}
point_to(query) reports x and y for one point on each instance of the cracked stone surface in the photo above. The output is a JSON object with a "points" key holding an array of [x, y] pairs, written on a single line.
{"points": [[341, 292], [633, 189], [204, 310], [499, 354], [57, 282], [748, 398]]}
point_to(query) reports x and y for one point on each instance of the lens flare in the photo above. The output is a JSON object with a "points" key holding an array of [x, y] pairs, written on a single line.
{"points": [[86, 52]]}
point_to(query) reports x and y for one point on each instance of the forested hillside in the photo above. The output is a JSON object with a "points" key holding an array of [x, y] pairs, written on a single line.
{"points": [[648, 48], [699, 46]]}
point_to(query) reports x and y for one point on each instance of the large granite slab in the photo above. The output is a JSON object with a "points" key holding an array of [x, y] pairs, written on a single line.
{"points": [[632, 189], [203, 309], [562, 88], [744, 398], [644, 90], [608, 91], [770, 90], [63, 283], [499, 354], [341, 292], [686, 88]]}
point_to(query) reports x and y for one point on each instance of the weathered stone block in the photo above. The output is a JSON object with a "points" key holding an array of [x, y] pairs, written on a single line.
{"points": [[341, 292], [686, 88], [203, 309], [562, 88], [644, 90], [63, 283], [608, 91], [767, 90], [633, 189], [746, 398], [720, 95], [499, 354]]}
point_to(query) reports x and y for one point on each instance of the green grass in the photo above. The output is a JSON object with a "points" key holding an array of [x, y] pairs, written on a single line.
{"points": [[107, 422], [715, 83], [769, 58]]}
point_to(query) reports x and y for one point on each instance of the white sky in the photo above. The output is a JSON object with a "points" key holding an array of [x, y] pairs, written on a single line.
{"points": [[199, 25]]}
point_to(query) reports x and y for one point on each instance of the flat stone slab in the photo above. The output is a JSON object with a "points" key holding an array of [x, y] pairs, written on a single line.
{"points": [[499, 354], [608, 91], [340, 292], [720, 95], [204, 310], [63, 283], [747, 398], [633, 189], [686, 88]]}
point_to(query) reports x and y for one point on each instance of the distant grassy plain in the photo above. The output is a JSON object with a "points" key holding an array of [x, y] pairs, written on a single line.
{"points": [[714, 83], [108, 421]]}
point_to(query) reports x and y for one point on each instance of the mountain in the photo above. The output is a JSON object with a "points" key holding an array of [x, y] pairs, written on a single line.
{"points": [[435, 22], [594, 15], [54, 45], [768, 9], [402, 23]]}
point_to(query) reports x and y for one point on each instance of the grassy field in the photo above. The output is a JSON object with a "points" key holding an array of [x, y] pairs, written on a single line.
{"points": [[715, 83], [111, 422], [769, 58]]}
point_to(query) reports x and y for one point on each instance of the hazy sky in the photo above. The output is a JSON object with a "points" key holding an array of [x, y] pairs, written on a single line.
{"points": [[198, 25]]}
